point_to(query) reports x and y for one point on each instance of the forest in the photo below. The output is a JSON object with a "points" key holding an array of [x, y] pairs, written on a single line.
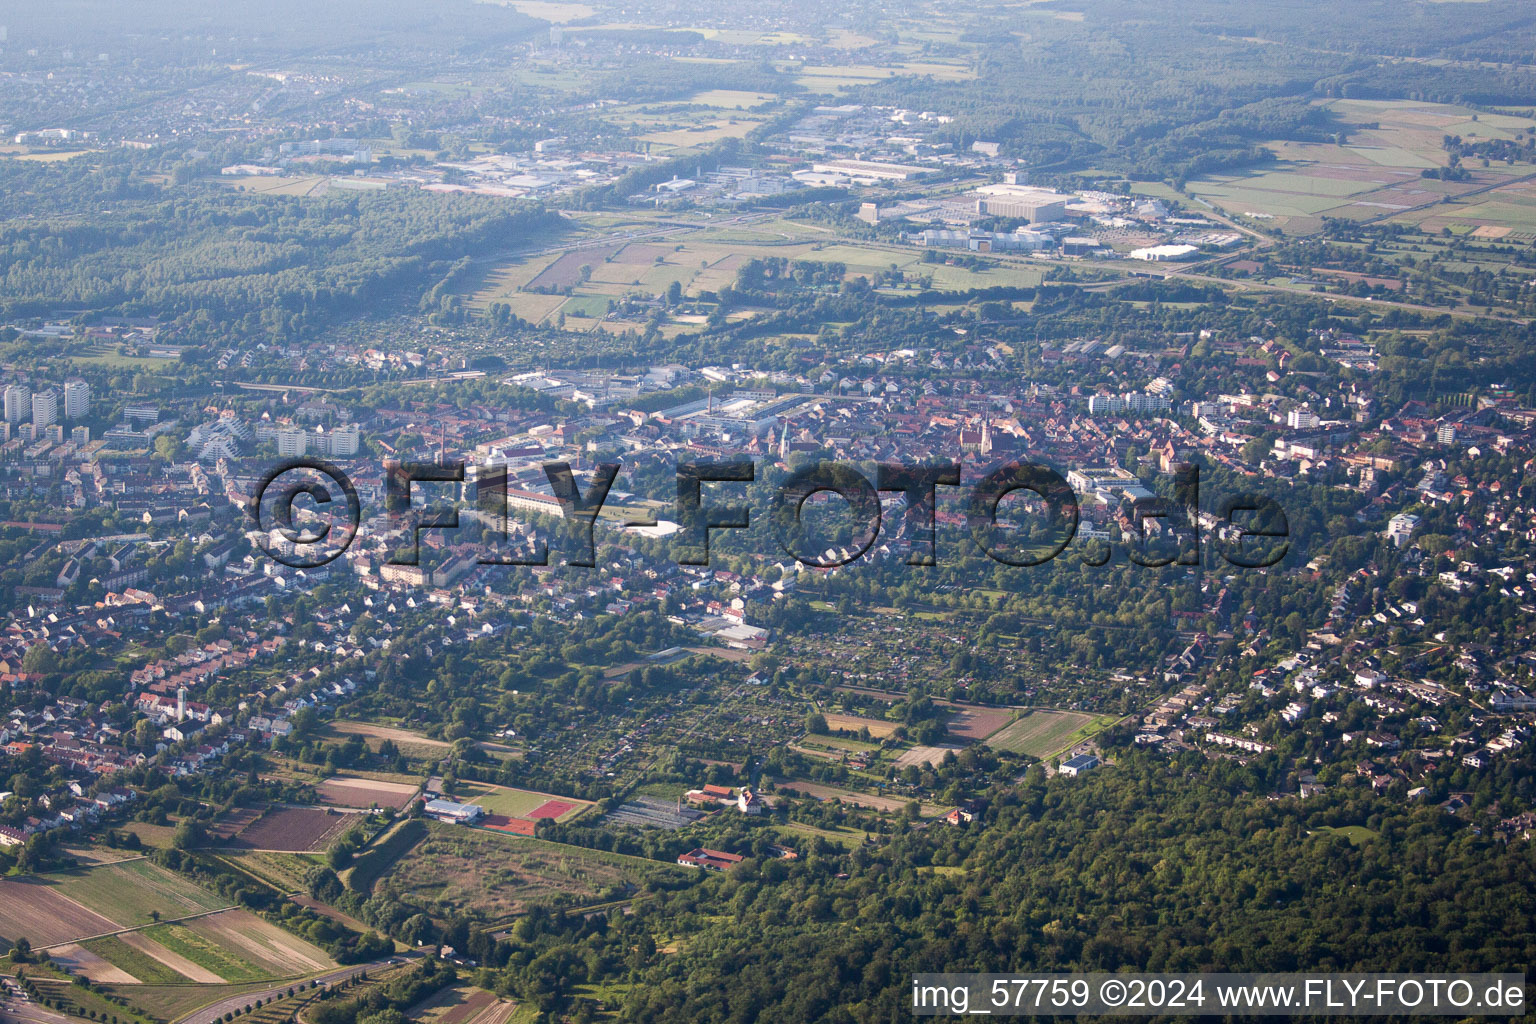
{"points": [[226, 264]]}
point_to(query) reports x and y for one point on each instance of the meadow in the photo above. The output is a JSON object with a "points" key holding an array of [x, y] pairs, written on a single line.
{"points": [[135, 892], [1042, 734], [491, 876], [705, 261], [1374, 174]]}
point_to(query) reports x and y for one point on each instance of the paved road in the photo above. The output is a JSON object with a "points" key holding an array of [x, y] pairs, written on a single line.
{"points": [[214, 1011], [17, 1008]]}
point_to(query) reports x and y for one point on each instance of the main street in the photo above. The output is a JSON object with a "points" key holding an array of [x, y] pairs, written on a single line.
{"points": [[215, 1011]]}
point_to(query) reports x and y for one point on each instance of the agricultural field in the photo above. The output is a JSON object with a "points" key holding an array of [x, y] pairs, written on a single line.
{"points": [[291, 830], [244, 936], [1375, 173], [275, 185], [978, 723], [491, 876], [37, 911], [152, 963], [1505, 215], [412, 744], [462, 1004], [888, 804], [835, 78], [705, 262], [1042, 734], [54, 908], [838, 745], [288, 872], [233, 822], [232, 949], [878, 728], [923, 755], [84, 961], [672, 140], [351, 791], [797, 835], [550, 10]]}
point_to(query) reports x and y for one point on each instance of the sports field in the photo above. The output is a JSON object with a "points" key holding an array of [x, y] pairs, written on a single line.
{"points": [[522, 803]]}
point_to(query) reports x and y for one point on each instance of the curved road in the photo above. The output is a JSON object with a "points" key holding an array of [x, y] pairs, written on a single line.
{"points": [[214, 1011]]}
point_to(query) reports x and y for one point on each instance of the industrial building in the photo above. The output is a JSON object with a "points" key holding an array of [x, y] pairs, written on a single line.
{"points": [[1164, 253], [868, 170], [1036, 205]]}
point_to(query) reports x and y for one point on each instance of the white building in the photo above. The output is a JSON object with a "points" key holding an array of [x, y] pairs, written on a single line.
{"points": [[18, 403], [341, 442], [292, 442], [1302, 419], [1075, 766], [1400, 527], [45, 408], [1164, 253], [1037, 205], [453, 812], [77, 399]]}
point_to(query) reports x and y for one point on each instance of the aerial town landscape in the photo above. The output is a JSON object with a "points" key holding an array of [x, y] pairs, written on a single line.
{"points": [[579, 717]]}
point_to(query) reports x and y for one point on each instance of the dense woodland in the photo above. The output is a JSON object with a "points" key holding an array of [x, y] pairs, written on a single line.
{"points": [[227, 264]]}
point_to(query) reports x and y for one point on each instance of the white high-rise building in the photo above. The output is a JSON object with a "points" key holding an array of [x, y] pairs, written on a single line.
{"points": [[344, 440], [292, 442], [1302, 419], [18, 402], [45, 408], [77, 399]]}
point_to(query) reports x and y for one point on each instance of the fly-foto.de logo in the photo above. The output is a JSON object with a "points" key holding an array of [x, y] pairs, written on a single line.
{"points": [[1252, 530]]}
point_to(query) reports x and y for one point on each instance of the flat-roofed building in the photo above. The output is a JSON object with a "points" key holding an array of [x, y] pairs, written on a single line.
{"points": [[452, 812], [868, 170], [1037, 205]]}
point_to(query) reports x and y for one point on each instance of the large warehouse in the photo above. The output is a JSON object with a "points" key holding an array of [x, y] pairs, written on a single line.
{"points": [[1164, 253], [1036, 205]]}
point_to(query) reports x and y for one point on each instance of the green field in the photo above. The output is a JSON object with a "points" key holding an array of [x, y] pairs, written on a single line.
{"points": [[514, 803], [708, 261], [1358, 835], [225, 963], [797, 835], [1375, 172], [1043, 734], [372, 863], [137, 963], [491, 876], [288, 872], [136, 892]]}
